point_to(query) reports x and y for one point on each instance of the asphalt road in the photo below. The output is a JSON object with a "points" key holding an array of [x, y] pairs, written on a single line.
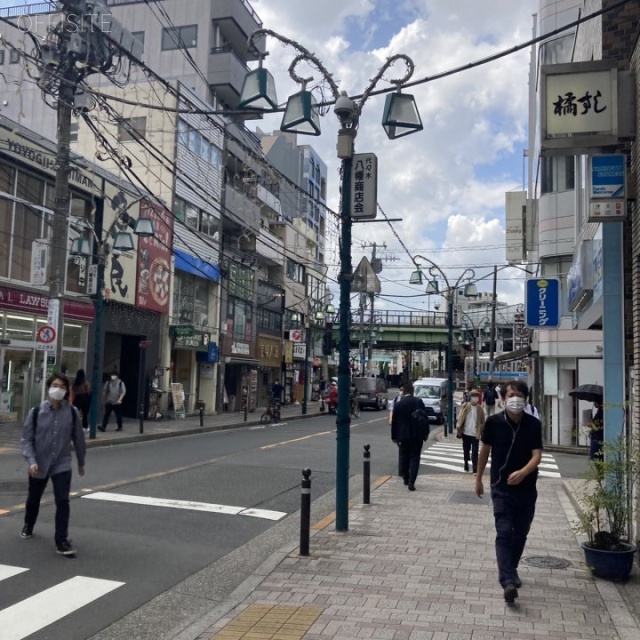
{"points": [[185, 560], [129, 553]]}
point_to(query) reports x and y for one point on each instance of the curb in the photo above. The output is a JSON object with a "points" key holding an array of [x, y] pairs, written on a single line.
{"points": [[141, 437]]}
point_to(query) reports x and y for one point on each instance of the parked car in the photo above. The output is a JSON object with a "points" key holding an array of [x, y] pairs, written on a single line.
{"points": [[433, 392], [371, 392]]}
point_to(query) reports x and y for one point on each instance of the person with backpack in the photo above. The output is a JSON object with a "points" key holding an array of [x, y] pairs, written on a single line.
{"points": [[490, 398], [114, 392], [47, 434], [409, 429], [469, 427]]}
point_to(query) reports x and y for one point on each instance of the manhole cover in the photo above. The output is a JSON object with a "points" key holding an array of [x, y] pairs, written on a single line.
{"points": [[547, 562], [466, 497]]}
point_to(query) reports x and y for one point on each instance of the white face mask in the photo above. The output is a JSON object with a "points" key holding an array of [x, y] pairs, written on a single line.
{"points": [[474, 400], [114, 378], [515, 404], [56, 393]]}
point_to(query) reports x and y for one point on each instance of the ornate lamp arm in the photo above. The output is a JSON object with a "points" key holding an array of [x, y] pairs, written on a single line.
{"points": [[398, 82], [463, 275], [305, 55]]}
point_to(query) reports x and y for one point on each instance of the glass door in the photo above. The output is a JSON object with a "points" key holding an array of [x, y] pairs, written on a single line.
{"points": [[17, 384]]}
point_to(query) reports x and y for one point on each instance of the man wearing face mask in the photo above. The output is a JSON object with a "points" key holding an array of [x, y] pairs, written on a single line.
{"points": [[114, 392], [514, 440], [469, 427], [47, 435]]}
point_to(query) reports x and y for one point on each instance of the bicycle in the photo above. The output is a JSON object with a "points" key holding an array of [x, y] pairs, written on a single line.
{"points": [[271, 413]]}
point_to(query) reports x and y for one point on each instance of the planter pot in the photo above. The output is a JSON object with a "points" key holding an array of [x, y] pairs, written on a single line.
{"points": [[611, 565]]}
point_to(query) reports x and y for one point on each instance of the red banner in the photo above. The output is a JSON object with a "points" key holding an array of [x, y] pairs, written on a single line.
{"points": [[153, 282], [37, 303]]}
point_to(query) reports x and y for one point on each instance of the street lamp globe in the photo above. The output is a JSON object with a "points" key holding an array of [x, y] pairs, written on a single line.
{"points": [[301, 115]]}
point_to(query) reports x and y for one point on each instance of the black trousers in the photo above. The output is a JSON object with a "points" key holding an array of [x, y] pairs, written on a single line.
{"points": [[117, 409], [470, 450], [410, 460], [513, 512], [61, 486]]}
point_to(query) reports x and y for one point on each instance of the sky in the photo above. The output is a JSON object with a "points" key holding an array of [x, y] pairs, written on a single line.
{"points": [[447, 183]]}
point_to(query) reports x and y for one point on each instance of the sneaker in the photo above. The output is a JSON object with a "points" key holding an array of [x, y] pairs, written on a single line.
{"points": [[510, 594], [412, 487], [26, 532], [65, 549], [466, 466], [103, 429]]}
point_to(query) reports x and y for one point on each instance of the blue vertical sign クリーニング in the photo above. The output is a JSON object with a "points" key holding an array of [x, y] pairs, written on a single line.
{"points": [[542, 308]]}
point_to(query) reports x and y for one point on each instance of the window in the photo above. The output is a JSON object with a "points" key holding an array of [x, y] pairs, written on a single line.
{"points": [[295, 271], [179, 209], [132, 129], [191, 299], [241, 281], [1, 56], [239, 320], [73, 137], [194, 141], [7, 184], [192, 217], [27, 225], [557, 173], [208, 223], [14, 56], [179, 37], [183, 133], [139, 36]]}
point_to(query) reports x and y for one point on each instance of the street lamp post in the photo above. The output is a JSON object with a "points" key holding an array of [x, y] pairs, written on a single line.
{"points": [[121, 241], [301, 115], [450, 291], [475, 328]]}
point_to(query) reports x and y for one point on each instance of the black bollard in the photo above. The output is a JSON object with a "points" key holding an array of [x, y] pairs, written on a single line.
{"points": [[305, 511], [201, 410], [141, 418], [366, 475]]}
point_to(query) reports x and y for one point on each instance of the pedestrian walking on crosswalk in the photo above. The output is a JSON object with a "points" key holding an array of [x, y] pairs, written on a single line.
{"points": [[469, 427], [47, 435]]}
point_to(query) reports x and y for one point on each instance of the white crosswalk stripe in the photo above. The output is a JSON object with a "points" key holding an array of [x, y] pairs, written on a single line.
{"points": [[449, 456], [46, 607]]}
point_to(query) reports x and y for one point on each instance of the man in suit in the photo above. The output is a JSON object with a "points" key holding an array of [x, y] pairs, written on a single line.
{"points": [[401, 433]]}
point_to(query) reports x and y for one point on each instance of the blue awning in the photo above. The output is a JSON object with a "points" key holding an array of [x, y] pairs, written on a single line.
{"points": [[186, 262]]}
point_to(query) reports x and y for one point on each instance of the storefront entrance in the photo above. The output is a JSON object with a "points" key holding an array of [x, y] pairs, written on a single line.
{"points": [[23, 374]]}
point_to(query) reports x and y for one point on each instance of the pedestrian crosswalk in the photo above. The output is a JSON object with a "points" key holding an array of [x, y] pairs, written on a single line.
{"points": [[449, 456], [38, 611]]}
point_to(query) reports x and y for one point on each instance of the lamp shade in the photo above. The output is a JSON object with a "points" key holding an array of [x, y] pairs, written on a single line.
{"points": [[470, 290], [301, 115], [432, 287], [400, 117], [319, 315], [123, 241], [258, 91], [80, 247], [295, 317], [416, 277], [330, 308], [144, 228]]}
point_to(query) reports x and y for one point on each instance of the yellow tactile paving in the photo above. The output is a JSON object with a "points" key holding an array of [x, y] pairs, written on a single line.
{"points": [[270, 622]]}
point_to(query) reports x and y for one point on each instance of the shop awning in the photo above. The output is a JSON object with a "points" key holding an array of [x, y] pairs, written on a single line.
{"points": [[186, 262], [249, 361]]}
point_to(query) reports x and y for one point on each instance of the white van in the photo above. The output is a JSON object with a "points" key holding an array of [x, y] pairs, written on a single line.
{"points": [[433, 392]]}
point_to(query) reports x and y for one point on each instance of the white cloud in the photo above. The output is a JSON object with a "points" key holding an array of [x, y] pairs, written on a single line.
{"points": [[447, 183]]}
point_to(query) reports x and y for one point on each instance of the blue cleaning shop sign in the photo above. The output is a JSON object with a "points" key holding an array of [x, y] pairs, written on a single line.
{"points": [[607, 176], [542, 304]]}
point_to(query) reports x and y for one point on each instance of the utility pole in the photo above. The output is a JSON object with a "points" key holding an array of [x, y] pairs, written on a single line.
{"points": [[494, 302], [376, 265], [78, 46]]}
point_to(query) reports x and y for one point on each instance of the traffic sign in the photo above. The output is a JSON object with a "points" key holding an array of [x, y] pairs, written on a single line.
{"points": [[542, 309], [46, 334]]}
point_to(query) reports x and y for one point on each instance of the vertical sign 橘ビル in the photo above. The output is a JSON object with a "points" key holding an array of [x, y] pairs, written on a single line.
{"points": [[542, 308], [364, 186], [154, 259]]}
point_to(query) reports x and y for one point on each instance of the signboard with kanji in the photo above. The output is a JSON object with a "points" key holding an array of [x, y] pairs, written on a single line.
{"points": [[364, 186]]}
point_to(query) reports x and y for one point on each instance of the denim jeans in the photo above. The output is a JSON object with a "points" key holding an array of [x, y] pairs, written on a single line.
{"points": [[117, 409], [513, 511], [61, 486], [410, 460]]}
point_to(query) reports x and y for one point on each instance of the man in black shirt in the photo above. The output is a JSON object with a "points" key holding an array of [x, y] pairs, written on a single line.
{"points": [[514, 440]]}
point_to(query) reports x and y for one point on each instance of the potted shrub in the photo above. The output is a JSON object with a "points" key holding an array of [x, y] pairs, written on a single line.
{"points": [[607, 510]]}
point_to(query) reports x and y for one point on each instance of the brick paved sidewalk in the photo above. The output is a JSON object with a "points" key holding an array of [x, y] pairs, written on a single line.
{"points": [[421, 566]]}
